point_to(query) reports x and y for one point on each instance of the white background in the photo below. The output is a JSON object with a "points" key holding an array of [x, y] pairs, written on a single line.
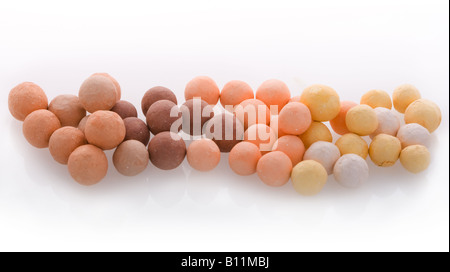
{"points": [[353, 46]]}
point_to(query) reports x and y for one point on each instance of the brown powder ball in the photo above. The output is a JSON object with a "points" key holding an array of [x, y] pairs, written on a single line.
{"points": [[274, 169], [203, 155], [136, 129], [64, 141], [82, 124], [68, 109], [26, 98], [161, 115], [202, 87], [252, 111], [87, 165], [167, 150], [38, 126], [195, 113], [225, 130], [114, 81], [124, 109], [317, 131], [262, 136], [130, 158], [155, 94], [234, 92], [294, 118], [105, 129], [273, 92], [243, 158], [97, 93], [292, 146]]}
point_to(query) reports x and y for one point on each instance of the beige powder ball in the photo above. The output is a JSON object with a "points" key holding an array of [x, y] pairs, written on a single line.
{"points": [[362, 120], [87, 165], [377, 98], [64, 141], [130, 158], [114, 81], [309, 177], [384, 150], [403, 96], [322, 101], [68, 109], [203, 155], [351, 143], [388, 122], [415, 158], [425, 113], [318, 131], [105, 129], [97, 93], [38, 126]]}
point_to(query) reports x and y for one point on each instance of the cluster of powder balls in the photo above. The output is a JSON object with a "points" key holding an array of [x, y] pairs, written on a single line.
{"points": [[299, 146]]}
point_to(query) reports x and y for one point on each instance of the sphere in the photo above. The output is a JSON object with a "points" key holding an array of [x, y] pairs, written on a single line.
{"points": [[414, 134], [155, 94], [124, 109], [325, 153], [388, 122], [351, 171], [68, 109], [136, 129], [361, 120], [203, 155], [322, 101], [274, 168], [234, 92], [309, 177], [167, 150], [97, 93], [26, 98], [252, 111], [87, 165], [415, 158], [424, 113], [292, 146], [262, 136], [377, 98], [317, 131], [105, 129], [130, 158], [338, 123], [384, 150], [351, 143], [38, 126], [64, 141], [202, 87], [243, 158], [403, 96], [225, 130], [195, 113], [114, 81], [273, 92], [162, 115], [294, 118]]}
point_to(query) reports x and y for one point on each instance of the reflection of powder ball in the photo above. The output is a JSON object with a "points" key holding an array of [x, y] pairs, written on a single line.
{"points": [[413, 134], [351, 170], [26, 98], [38, 126]]}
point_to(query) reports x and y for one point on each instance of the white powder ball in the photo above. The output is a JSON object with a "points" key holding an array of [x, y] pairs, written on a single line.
{"points": [[351, 170], [325, 153], [414, 134], [388, 122]]}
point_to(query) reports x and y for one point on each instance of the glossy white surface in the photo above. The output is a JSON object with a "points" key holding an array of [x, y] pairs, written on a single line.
{"points": [[353, 46]]}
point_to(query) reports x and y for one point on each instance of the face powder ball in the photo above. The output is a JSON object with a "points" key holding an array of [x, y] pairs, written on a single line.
{"points": [[415, 158], [97, 93], [243, 158], [68, 109], [225, 130], [317, 131], [155, 94], [124, 109], [292, 146], [403, 96], [322, 101], [425, 113], [105, 129], [413, 134], [38, 126], [273, 92], [234, 92], [362, 120], [130, 158], [64, 141], [87, 165], [351, 143], [262, 136], [309, 177], [203, 155], [384, 150], [274, 168], [338, 123], [195, 113], [114, 81], [162, 115], [26, 98], [252, 111], [388, 122], [294, 118], [167, 150], [325, 153], [377, 98], [82, 124], [136, 129], [351, 171], [202, 87]]}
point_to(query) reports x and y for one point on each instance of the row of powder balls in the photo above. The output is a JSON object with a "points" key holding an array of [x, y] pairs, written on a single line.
{"points": [[301, 147]]}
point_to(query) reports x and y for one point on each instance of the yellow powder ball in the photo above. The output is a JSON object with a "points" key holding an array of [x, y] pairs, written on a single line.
{"points": [[362, 120], [377, 98], [424, 113], [415, 158], [403, 96], [309, 177], [384, 150], [322, 101], [317, 131], [351, 143]]}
